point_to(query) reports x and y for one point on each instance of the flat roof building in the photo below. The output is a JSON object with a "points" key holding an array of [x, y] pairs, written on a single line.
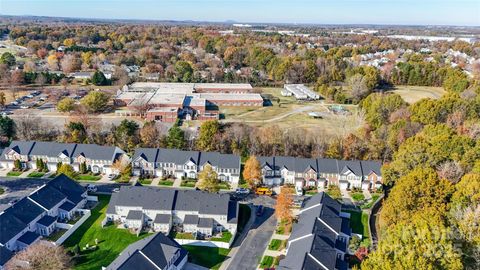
{"points": [[299, 91]]}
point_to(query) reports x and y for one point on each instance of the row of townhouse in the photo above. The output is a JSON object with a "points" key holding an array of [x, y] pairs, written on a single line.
{"points": [[160, 162], [320, 238], [321, 172], [97, 158], [36, 215], [190, 211]]}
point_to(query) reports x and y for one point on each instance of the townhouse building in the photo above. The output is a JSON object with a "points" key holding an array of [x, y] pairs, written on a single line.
{"points": [[320, 238], [97, 158], [154, 252], [161, 210], [321, 172], [36, 215], [161, 162]]}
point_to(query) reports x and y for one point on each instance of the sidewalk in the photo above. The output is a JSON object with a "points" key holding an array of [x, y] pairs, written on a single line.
{"points": [[239, 240], [155, 181], [177, 183]]}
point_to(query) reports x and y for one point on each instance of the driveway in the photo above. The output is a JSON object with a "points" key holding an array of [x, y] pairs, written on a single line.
{"points": [[251, 249]]}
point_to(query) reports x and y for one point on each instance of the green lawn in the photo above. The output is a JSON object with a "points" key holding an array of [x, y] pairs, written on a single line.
{"points": [[276, 244], [57, 234], [267, 262], [14, 173], [226, 237], [371, 202], [36, 174], [224, 186], [358, 196], [181, 235], [145, 181], [88, 177], [186, 183], [359, 224], [210, 257], [111, 240], [166, 183]]}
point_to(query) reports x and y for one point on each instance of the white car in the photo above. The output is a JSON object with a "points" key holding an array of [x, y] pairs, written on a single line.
{"points": [[24, 107], [111, 176], [242, 191], [299, 191], [91, 188]]}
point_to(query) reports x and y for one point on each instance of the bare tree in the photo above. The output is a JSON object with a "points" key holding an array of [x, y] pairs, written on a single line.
{"points": [[40, 256], [450, 170], [359, 86]]}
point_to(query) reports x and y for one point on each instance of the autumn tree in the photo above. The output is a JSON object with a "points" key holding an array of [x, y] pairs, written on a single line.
{"points": [[42, 255], [3, 99], [252, 173], [283, 206], [95, 101], [149, 134], [417, 245], [467, 190], [67, 170], [66, 105], [420, 194], [208, 179], [206, 135]]}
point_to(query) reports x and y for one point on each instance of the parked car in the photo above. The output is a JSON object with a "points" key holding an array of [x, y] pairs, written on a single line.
{"points": [[24, 107], [259, 211], [116, 190], [299, 191], [243, 191], [91, 188], [111, 176], [5, 113], [12, 202]]}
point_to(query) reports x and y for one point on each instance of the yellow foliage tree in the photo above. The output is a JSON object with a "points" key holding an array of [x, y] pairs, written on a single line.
{"points": [[252, 172]]}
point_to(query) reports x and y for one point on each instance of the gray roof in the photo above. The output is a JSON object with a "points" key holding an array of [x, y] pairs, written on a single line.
{"points": [[96, 152], [162, 219], [135, 215], [47, 220], [148, 154], [371, 166], [21, 147], [219, 160], [28, 238], [153, 252], [5, 255], [146, 197], [314, 237], [177, 156], [171, 199], [205, 223], [52, 149], [67, 206], [190, 219], [352, 165]]}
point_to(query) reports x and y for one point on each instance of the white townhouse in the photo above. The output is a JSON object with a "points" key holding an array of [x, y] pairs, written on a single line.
{"points": [[321, 172], [162, 209], [97, 158], [160, 162], [36, 215]]}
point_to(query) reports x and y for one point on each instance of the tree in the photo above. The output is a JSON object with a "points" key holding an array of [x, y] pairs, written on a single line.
{"points": [[420, 194], [98, 78], [149, 134], [359, 88], [467, 190], [3, 99], [95, 101], [7, 128], [41, 255], [208, 130], [416, 245], [183, 71], [334, 192], [8, 59], [208, 179], [67, 170], [66, 105], [252, 173], [126, 134], [283, 206], [176, 137]]}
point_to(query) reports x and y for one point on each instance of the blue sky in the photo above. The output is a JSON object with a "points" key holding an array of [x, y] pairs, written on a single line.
{"points": [[441, 12]]}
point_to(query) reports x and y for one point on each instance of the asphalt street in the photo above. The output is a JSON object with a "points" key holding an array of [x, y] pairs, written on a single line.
{"points": [[253, 246]]}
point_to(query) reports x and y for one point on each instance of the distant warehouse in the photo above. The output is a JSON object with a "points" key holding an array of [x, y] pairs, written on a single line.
{"points": [[166, 102], [299, 91]]}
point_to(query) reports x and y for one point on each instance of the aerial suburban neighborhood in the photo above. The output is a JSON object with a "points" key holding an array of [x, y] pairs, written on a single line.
{"points": [[239, 135]]}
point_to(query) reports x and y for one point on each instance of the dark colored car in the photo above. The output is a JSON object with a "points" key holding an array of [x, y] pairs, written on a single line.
{"points": [[259, 210]]}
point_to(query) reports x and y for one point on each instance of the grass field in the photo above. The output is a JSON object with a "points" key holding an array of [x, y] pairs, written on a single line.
{"points": [[412, 94], [209, 257], [359, 224], [287, 113], [111, 240]]}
